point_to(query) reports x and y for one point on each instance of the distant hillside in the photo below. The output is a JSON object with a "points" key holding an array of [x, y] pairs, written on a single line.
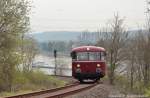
{"points": [[55, 35], [70, 35]]}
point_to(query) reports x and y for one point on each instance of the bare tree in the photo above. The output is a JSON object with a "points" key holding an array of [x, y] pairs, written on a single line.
{"points": [[114, 40], [29, 51], [143, 56], [138, 71]]}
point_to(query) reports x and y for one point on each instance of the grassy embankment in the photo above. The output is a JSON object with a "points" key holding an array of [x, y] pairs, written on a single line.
{"points": [[124, 86], [32, 81]]}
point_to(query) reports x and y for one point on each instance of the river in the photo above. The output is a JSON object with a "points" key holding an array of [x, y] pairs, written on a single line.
{"points": [[47, 65]]}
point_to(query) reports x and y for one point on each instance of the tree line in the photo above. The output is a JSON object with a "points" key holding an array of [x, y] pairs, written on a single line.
{"points": [[60, 46]]}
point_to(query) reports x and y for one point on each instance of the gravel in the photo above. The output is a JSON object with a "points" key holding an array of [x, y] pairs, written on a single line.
{"points": [[99, 91]]}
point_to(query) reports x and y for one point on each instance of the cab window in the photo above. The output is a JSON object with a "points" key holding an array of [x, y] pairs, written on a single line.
{"points": [[82, 56], [88, 56]]}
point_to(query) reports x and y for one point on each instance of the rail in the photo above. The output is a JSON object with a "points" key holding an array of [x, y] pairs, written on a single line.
{"points": [[57, 92]]}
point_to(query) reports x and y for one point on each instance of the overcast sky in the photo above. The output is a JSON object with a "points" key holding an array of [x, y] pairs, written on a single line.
{"points": [[79, 15]]}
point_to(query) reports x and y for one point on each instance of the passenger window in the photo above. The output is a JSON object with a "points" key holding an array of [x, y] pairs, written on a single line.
{"points": [[103, 55]]}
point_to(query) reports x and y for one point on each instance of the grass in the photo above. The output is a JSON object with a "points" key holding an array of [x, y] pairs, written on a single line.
{"points": [[32, 81], [147, 92], [124, 86], [4, 94]]}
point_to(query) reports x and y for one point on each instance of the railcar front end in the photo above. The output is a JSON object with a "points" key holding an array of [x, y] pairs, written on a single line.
{"points": [[88, 62]]}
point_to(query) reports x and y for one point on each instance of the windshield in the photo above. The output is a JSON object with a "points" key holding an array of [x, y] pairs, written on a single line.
{"points": [[91, 56]]}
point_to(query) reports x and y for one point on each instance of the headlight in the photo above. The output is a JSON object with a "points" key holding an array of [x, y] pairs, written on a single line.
{"points": [[98, 65], [78, 65]]}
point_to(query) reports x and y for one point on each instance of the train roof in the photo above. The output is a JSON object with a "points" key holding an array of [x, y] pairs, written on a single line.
{"points": [[88, 49]]}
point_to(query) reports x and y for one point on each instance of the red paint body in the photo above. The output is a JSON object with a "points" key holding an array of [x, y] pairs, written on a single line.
{"points": [[88, 67]]}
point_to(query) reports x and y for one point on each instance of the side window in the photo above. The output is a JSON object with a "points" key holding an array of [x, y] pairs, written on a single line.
{"points": [[103, 55]]}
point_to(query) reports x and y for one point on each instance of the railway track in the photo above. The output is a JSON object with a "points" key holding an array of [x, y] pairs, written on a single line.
{"points": [[57, 92]]}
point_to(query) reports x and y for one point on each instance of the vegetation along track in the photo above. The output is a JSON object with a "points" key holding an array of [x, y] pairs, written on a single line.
{"points": [[57, 92]]}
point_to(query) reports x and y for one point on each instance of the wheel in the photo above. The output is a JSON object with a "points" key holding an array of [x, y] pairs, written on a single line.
{"points": [[81, 80]]}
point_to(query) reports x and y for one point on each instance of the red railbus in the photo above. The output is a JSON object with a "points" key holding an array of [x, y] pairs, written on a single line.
{"points": [[88, 62]]}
